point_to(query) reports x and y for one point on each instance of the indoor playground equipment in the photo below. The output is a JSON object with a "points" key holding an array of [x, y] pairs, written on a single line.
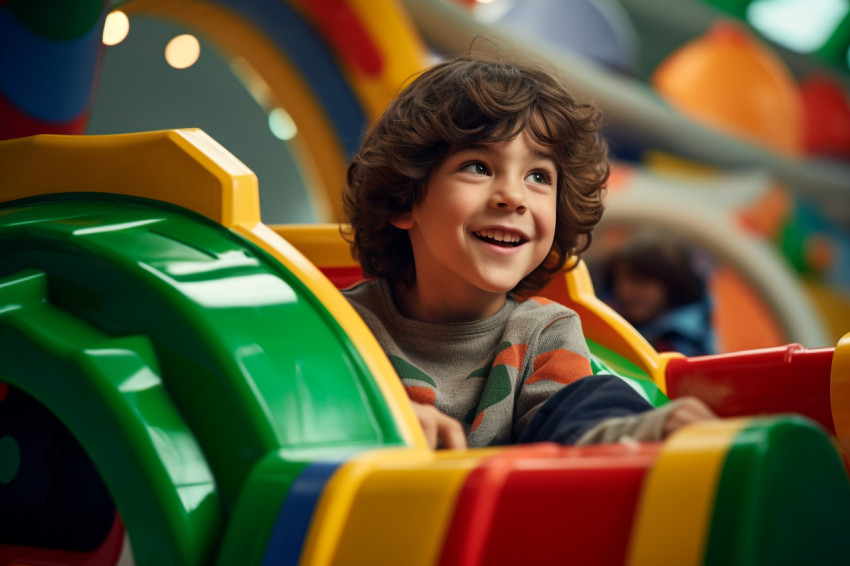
{"points": [[182, 384]]}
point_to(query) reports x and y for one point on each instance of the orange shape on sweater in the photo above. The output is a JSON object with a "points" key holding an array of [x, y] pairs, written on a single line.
{"points": [[560, 366]]}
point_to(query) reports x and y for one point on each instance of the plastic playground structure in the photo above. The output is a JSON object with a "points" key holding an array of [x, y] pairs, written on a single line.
{"points": [[173, 369]]}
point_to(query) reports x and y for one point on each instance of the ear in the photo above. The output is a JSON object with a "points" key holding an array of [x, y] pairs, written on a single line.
{"points": [[403, 221]]}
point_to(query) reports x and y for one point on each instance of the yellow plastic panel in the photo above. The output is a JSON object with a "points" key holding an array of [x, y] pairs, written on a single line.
{"points": [[155, 165], [674, 515], [839, 395], [603, 325], [389, 508], [323, 244]]}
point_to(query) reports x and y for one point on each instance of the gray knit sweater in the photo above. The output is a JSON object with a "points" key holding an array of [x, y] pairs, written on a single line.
{"points": [[493, 374]]}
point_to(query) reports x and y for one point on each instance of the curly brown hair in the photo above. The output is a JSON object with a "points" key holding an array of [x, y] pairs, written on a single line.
{"points": [[469, 99]]}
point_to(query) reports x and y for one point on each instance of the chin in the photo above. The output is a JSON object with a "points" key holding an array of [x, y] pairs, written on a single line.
{"points": [[497, 288]]}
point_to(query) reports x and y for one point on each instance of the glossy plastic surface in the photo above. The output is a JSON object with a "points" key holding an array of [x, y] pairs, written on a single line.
{"points": [[742, 491], [222, 188], [389, 505], [673, 518], [839, 395], [293, 521], [773, 380], [774, 469], [195, 172], [109, 393], [232, 332], [268, 427], [546, 504]]}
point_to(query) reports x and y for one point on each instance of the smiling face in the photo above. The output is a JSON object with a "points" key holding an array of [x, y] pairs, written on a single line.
{"points": [[486, 221]]}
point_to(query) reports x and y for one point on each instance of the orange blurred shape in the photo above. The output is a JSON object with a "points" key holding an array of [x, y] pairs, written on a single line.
{"points": [[741, 319], [667, 163], [820, 254], [767, 214], [621, 177], [730, 81], [827, 117]]}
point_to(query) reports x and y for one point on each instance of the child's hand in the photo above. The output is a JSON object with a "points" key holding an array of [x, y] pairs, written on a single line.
{"points": [[688, 410], [441, 430]]}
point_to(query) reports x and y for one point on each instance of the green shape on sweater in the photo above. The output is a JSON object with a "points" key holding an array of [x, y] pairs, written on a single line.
{"points": [[406, 370], [480, 372], [498, 387]]}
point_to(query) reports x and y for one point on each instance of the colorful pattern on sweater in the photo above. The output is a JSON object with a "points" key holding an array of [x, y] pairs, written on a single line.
{"points": [[491, 374]]}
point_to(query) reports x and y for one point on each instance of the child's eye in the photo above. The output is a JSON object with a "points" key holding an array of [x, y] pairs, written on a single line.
{"points": [[540, 177], [475, 167]]}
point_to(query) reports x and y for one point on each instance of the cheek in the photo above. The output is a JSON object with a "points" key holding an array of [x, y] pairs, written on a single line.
{"points": [[656, 296], [548, 220]]}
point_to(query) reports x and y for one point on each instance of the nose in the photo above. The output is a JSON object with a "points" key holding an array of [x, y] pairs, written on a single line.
{"points": [[509, 196]]}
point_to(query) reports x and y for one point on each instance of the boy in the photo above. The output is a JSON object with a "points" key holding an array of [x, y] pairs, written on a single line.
{"points": [[475, 186]]}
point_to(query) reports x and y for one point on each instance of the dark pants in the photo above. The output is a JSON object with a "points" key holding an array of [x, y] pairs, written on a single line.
{"points": [[580, 406]]}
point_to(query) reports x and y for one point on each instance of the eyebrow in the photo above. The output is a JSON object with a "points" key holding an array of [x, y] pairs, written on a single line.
{"points": [[488, 148]]}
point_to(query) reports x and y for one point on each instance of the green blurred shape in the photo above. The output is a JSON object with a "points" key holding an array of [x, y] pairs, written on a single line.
{"points": [[59, 20], [737, 8]]}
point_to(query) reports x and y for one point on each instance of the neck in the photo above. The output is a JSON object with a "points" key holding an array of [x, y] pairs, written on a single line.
{"points": [[434, 306]]}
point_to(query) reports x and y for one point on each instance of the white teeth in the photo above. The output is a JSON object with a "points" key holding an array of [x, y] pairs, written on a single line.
{"points": [[499, 235]]}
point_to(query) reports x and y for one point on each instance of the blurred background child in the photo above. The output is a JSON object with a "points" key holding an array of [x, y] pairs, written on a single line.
{"points": [[653, 282]]}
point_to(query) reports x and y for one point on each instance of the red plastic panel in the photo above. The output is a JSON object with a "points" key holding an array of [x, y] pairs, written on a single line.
{"points": [[773, 380], [343, 277], [106, 554], [585, 516]]}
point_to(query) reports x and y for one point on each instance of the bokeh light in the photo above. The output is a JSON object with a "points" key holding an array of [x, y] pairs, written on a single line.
{"points": [[281, 124], [800, 25], [182, 51], [116, 28]]}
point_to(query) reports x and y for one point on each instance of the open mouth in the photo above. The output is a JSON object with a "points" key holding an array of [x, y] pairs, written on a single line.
{"points": [[501, 238]]}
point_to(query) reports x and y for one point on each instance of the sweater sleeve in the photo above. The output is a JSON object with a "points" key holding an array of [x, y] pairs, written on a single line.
{"points": [[647, 426], [557, 356]]}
